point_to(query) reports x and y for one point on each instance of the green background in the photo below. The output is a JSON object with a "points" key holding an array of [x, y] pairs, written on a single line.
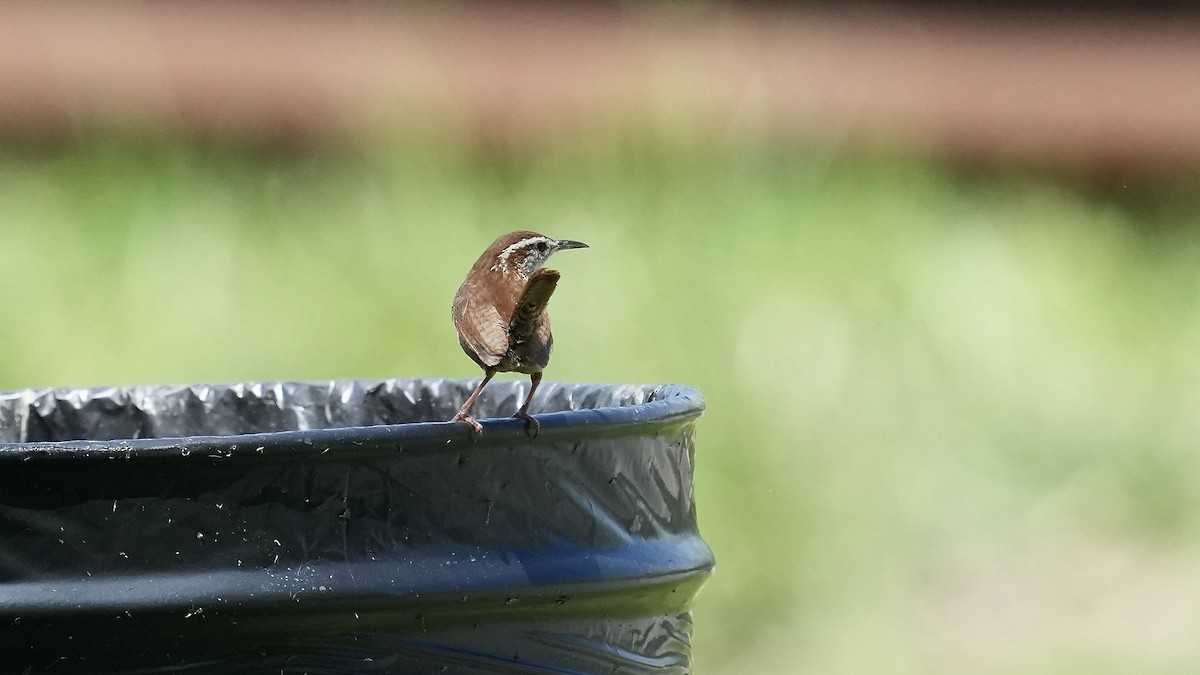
{"points": [[952, 413]]}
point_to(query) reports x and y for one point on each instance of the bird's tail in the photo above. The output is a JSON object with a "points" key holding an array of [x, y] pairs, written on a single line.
{"points": [[533, 302]]}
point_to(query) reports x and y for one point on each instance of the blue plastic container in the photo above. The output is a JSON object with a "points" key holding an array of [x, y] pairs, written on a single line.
{"points": [[342, 527]]}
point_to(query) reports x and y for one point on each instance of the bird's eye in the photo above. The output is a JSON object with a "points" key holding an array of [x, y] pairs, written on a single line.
{"points": [[542, 246]]}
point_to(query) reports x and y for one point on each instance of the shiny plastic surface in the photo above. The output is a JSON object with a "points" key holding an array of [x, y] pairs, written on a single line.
{"points": [[341, 527]]}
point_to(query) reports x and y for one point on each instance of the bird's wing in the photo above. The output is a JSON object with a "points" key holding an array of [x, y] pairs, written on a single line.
{"points": [[481, 331], [530, 306]]}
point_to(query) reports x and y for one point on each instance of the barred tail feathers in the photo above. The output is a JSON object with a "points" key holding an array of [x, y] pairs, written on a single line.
{"points": [[530, 306]]}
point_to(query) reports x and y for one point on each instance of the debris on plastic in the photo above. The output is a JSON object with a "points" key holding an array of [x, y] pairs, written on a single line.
{"points": [[279, 514]]}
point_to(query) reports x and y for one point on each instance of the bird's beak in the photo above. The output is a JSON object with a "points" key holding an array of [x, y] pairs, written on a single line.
{"points": [[564, 244]]}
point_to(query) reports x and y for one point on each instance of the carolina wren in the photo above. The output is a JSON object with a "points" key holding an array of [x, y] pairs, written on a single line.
{"points": [[500, 313]]}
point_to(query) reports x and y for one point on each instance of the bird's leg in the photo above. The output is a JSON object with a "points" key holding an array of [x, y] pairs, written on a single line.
{"points": [[463, 412], [523, 413]]}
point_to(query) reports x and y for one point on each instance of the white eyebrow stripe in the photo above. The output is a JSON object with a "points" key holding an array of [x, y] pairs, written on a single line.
{"points": [[512, 248]]}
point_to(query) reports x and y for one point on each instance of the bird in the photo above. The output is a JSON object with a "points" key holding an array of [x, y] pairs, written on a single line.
{"points": [[500, 314]]}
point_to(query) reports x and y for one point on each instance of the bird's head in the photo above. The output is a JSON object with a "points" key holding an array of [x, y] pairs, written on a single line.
{"points": [[523, 252]]}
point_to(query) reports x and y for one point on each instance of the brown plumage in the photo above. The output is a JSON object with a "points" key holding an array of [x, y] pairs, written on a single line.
{"points": [[500, 313]]}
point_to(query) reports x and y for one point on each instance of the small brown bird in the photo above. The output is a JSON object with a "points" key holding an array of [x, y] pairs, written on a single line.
{"points": [[500, 313]]}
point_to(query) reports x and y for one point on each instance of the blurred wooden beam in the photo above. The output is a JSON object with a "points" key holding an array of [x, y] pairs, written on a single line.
{"points": [[1045, 88]]}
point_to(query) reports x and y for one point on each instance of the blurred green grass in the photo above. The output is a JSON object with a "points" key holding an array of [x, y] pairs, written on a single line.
{"points": [[952, 416]]}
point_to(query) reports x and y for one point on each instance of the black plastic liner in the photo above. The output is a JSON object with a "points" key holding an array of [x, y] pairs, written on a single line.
{"points": [[343, 527]]}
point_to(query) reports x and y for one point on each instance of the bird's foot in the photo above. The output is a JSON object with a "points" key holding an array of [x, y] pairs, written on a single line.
{"points": [[476, 427], [531, 425]]}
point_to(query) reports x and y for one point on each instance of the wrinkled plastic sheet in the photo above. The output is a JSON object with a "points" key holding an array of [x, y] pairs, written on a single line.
{"points": [[344, 527]]}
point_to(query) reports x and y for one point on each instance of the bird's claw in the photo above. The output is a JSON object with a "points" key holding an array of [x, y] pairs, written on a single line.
{"points": [[476, 427], [532, 427]]}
